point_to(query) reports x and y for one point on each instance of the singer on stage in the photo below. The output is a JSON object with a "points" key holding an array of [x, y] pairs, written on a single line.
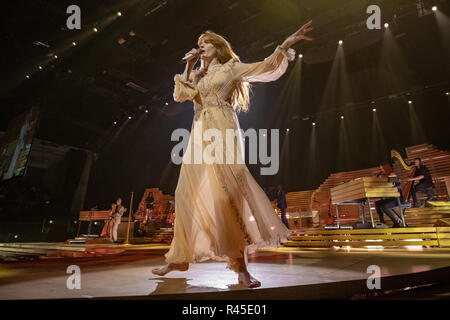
{"points": [[220, 210]]}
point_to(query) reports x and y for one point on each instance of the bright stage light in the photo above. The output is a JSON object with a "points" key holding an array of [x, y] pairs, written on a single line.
{"points": [[374, 110], [129, 118], [119, 13], [409, 102], [115, 122], [146, 111], [51, 221], [340, 42], [27, 76], [314, 124], [342, 117], [386, 25], [40, 68], [166, 104], [434, 8], [95, 29], [447, 93], [300, 56], [287, 130], [55, 56]]}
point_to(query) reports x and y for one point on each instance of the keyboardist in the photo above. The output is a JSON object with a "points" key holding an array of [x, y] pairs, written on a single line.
{"points": [[385, 205]]}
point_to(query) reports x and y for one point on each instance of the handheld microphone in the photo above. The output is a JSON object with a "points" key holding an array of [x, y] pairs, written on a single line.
{"points": [[188, 57]]}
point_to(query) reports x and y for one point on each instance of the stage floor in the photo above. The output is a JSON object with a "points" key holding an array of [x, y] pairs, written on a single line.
{"points": [[128, 274]]}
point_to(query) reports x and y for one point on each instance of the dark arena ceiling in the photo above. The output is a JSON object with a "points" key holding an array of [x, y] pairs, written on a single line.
{"points": [[127, 67]]}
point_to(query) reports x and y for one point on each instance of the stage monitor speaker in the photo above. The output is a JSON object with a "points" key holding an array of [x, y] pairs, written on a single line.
{"points": [[442, 223]]}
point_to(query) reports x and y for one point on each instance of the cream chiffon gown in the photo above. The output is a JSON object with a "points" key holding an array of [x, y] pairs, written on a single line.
{"points": [[221, 212]]}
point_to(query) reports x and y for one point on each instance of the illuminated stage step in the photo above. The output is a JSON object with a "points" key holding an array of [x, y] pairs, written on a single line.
{"points": [[391, 237], [424, 217]]}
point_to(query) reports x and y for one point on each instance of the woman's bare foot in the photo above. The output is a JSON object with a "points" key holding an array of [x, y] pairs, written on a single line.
{"points": [[170, 267], [247, 279]]}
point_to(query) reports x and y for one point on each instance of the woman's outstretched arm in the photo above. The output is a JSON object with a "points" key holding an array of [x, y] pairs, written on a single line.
{"points": [[274, 66], [297, 36]]}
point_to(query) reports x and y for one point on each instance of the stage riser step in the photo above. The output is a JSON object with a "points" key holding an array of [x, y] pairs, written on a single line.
{"points": [[426, 236], [427, 215], [367, 237], [431, 243], [378, 231]]}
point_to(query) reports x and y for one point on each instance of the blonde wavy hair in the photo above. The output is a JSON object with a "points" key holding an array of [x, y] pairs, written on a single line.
{"points": [[240, 98]]}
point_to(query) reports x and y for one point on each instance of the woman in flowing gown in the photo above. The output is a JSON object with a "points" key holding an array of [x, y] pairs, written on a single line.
{"points": [[220, 210]]}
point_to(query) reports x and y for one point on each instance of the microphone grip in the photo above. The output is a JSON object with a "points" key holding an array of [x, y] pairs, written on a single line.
{"points": [[187, 57]]}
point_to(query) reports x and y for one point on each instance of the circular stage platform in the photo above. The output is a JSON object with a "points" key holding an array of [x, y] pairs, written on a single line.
{"points": [[285, 273]]}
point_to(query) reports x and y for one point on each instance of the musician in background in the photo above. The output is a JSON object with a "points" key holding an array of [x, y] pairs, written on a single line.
{"points": [[117, 211], [386, 205], [282, 204], [423, 182], [148, 206]]}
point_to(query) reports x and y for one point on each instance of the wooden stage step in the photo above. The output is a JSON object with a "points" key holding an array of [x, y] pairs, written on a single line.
{"points": [[424, 217], [391, 237]]}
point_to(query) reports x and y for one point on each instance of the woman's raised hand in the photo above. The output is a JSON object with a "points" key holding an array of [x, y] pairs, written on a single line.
{"points": [[298, 35]]}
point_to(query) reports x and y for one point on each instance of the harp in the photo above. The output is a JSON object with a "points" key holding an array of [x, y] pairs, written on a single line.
{"points": [[406, 189]]}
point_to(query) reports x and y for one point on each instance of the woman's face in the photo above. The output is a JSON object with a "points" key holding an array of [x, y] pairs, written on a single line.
{"points": [[209, 52]]}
